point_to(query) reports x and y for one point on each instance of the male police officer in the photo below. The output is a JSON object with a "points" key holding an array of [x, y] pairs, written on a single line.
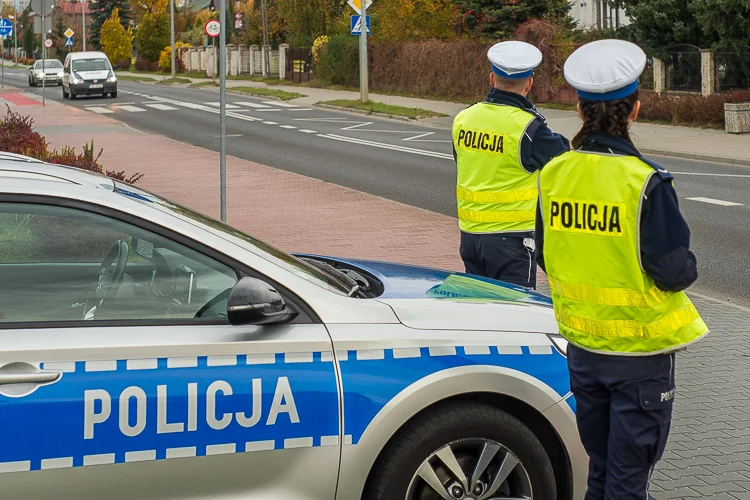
{"points": [[616, 249], [500, 145]]}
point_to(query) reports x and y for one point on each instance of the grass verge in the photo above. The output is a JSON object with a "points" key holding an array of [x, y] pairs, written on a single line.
{"points": [[173, 81], [201, 85], [260, 79], [261, 91], [129, 78], [387, 109]]}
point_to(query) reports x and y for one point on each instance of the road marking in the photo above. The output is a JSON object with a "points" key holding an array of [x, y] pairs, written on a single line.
{"points": [[161, 107], [364, 124], [308, 131], [281, 104], [253, 104], [269, 110], [287, 126], [132, 109], [270, 123], [716, 202], [712, 175], [418, 136], [99, 105], [329, 120], [215, 103], [99, 109], [301, 109], [393, 147]]}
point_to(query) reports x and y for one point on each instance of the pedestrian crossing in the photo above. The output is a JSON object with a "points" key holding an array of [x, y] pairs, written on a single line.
{"points": [[237, 106]]}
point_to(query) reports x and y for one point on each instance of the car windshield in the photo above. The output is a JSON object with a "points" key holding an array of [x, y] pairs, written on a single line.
{"points": [[98, 64], [48, 64], [268, 252]]}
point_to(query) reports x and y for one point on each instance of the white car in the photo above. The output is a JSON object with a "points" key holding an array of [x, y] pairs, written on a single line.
{"points": [[151, 352], [88, 73], [47, 71]]}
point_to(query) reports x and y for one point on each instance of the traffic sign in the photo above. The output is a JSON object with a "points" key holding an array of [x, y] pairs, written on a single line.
{"points": [[356, 25], [48, 43], [12, 17], [357, 5], [69, 33], [212, 28], [6, 26], [69, 42]]}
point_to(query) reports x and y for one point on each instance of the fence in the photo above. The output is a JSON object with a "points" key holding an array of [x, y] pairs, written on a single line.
{"points": [[732, 71], [241, 59], [683, 66]]}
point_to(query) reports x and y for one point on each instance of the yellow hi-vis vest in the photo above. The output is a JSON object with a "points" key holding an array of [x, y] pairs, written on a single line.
{"points": [[604, 301], [495, 194]]}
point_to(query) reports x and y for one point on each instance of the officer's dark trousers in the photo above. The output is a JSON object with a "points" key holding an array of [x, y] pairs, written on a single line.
{"points": [[499, 257], [624, 410]]}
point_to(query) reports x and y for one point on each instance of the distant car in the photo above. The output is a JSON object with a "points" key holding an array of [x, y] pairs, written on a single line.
{"points": [[51, 74], [88, 73], [152, 352]]}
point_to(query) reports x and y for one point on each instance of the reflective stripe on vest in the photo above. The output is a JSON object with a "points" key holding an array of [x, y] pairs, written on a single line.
{"points": [[494, 193], [603, 299]]}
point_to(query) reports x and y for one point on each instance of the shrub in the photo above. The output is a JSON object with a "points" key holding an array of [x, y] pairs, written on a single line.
{"points": [[165, 59], [141, 65], [116, 41], [339, 61], [153, 35], [123, 65], [689, 109]]}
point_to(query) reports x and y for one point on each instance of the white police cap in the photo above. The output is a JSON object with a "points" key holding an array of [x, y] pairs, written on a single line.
{"points": [[605, 70], [514, 60]]}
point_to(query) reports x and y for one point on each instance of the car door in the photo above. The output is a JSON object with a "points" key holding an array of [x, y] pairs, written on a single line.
{"points": [[153, 395]]}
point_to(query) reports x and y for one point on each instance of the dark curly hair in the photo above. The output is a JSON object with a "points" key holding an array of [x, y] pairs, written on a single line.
{"points": [[605, 117]]}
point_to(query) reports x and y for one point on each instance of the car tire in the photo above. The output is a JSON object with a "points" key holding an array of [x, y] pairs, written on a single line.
{"points": [[32, 83], [72, 94], [65, 94], [394, 475], [113, 94]]}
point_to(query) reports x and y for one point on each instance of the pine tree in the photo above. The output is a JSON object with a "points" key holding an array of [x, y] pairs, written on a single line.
{"points": [[499, 19], [101, 10]]}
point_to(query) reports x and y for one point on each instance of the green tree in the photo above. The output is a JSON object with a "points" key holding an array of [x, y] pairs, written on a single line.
{"points": [[306, 20], [116, 41], [497, 19], [724, 23], [153, 36], [658, 25], [101, 11], [28, 41]]}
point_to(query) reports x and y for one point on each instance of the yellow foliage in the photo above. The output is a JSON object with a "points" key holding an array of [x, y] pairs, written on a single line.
{"points": [[165, 58], [317, 45], [116, 41], [401, 20]]}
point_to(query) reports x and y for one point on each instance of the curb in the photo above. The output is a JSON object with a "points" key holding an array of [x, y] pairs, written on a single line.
{"points": [[367, 113], [696, 156]]}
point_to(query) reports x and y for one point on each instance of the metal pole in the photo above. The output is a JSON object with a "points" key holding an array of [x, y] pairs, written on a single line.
{"points": [[363, 80], [44, 53], [223, 109], [266, 56], [83, 23], [171, 15], [15, 36]]}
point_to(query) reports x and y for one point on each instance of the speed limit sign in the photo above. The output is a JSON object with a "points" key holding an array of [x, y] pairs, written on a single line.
{"points": [[212, 28], [48, 43]]}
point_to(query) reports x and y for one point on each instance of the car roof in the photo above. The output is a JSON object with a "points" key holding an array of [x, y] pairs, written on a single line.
{"points": [[87, 55], [15, 166]]}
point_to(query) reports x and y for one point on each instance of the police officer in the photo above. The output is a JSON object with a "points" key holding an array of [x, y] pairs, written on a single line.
{"points": [[616, 249], [500, 145]]}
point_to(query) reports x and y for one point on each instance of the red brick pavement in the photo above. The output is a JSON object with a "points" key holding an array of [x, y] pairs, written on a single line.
{"points": [[293, 212]]}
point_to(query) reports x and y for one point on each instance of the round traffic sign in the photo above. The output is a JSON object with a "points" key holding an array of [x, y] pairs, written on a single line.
{"points": [[212, 28], [48, 43]]}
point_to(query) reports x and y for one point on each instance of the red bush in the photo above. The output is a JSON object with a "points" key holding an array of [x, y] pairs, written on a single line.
{"points": [[689, 109], [122, 65], [141, 64]]}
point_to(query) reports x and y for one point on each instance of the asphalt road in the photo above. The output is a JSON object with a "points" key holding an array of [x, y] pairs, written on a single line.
{"points": [[410, 163]]}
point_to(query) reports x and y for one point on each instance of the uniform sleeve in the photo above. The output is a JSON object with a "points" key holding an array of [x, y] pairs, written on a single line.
{"points": [[539, 145], [665, 239], [539, 237]]}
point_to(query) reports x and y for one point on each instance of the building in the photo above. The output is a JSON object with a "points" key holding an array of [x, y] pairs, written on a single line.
{"points": [[598, 14]]}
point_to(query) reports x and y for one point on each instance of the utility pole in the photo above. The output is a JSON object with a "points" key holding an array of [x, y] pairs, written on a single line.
{"points": [[363, 79], [15, 32], [266, 55], [223, 108], [83, 23], [171, 16], [44, 52]]}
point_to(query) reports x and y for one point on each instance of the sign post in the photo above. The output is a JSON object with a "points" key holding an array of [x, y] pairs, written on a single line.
{"points": [[361, 6], [213, 28], [83, 23], [6, 28], [15, 38], [171, 32]]}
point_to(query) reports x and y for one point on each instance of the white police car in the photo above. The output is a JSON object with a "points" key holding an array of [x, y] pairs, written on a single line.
{"points": [[149, 352]]}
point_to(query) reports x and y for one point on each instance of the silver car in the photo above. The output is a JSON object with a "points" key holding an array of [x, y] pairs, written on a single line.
{"points": [[151, 352], [49, 72]]}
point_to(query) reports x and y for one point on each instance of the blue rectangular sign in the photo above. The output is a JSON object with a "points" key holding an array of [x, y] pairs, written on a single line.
{"points": [[69, 42], [356, 25]]}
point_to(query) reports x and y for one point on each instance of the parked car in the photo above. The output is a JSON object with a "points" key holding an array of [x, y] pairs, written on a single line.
{"points": [[88, 73], [152, 352], [49, 71]]}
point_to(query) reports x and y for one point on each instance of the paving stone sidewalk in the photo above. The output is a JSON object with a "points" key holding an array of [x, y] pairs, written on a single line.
{"points": [[708, 454]]}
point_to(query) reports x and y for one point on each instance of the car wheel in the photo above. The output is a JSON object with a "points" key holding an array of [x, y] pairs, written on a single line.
{"points": [[32, 83], [463, 450], [113, 94], [65, 94], [72, 94]]}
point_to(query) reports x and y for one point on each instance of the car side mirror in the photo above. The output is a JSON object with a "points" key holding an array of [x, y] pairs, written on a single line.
{"points": [[255, 302]]}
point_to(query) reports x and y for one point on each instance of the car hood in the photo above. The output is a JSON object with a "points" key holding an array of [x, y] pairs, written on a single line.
{"points": [[436, 299], [49, 71]]}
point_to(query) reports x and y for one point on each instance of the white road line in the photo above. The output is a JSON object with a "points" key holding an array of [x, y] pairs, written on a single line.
{"points": [[402, 149], [230, 135], [418, 136], [308, 131], [270, 123], [253, 104], [161, 107], [329, 120], [287, 126], [270, 109], [132, 109], [99, 109], [281, 104], [711, 175], [357, 126], [301, 109], [98, 105], [216, 103], [716, 202]]}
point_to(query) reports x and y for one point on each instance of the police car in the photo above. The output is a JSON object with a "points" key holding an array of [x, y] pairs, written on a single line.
{"points": [[150, 352]]}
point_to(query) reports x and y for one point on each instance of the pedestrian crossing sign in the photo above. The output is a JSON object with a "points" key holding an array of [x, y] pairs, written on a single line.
{"points": [[69, 42], [356, 25]]}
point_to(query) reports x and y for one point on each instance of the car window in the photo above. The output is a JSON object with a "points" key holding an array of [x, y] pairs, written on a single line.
{"points": [[96, 64], [61, 264], [52, 63]]}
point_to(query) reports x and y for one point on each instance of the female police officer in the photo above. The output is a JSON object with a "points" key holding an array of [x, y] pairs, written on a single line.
{"points": [[616, 249]]}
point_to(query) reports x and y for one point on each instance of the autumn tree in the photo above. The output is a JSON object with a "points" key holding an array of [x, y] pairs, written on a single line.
{"points": [[400, 20], [308, 19], [153, 35], [102, 10], [116, 41]]}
